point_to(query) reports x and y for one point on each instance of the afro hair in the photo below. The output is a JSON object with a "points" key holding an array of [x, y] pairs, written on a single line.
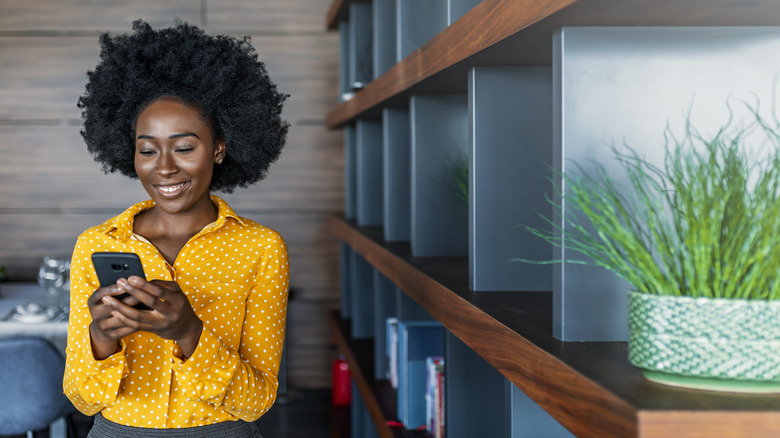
{"points": [[219, 75]]}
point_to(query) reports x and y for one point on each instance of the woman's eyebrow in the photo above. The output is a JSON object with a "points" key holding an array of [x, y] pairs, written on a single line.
{"points": [[172, 136], [184, 134]]}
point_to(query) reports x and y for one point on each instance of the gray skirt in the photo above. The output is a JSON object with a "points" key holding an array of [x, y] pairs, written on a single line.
{"points": [[103, 428]]}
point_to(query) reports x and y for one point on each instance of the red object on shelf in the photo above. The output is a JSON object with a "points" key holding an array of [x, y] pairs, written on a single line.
{"points": [[342, 383]]}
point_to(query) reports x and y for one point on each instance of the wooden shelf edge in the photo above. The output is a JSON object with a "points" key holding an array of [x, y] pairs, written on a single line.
{"points": [[720, 424], [336, 12], [488, 23], [581, 405]]}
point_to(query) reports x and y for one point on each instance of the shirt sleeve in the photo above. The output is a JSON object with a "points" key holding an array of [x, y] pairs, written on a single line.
{"points": [[244, 382], [91, 385]]}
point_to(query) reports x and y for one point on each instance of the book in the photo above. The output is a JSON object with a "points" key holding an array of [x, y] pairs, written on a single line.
{"points": [[433, 396], [391, 332], [417, 340]]}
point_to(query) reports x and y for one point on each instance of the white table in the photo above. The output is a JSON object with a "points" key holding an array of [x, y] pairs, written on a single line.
{"points": [[14, 294]]}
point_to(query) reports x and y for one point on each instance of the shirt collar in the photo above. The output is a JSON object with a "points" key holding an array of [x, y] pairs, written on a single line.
{"points": [[121, 227]]}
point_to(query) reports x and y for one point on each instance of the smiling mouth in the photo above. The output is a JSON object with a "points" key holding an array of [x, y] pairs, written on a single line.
{"points": [[172, 190]]}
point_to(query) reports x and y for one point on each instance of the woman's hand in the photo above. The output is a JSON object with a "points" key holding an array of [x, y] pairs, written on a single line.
{"points": [[171, 315], [105, 331]]}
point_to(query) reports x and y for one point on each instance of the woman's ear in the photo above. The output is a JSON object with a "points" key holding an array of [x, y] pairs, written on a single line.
{"points": [[219, 152]]}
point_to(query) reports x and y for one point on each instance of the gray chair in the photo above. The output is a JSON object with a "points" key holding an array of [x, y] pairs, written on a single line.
{"points": [[31, 398]]}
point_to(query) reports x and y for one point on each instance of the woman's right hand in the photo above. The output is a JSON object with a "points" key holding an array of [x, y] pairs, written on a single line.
{"points": [[106, 330]]}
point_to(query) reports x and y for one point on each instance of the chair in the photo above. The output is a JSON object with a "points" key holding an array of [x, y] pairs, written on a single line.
{"points": [[31, 397]]}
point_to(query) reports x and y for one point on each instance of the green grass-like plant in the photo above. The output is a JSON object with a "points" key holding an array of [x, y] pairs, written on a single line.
{"points": [[704, 224], [457, 176]]}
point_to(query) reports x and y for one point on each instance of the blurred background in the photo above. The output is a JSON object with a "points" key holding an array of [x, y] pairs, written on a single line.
{"points": [[51, 189]]}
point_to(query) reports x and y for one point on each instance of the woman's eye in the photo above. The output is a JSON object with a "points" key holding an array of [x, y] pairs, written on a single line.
{"points": [[184, 149], [146, 153]]}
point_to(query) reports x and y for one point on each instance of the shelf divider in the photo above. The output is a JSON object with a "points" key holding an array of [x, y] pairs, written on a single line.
{"points": [[439, 143], [396, 140], [511, 150], [369, 180]]}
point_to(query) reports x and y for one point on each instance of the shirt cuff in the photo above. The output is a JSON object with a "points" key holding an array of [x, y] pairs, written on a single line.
{"points": [[100, 384], [206, 375]]}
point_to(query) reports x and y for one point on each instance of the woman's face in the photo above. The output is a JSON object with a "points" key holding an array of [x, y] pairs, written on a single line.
{"points": [[175, 155]]}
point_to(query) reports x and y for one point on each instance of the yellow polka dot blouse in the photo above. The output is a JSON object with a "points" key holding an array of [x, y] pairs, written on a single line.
{"points": [[235, 273]]}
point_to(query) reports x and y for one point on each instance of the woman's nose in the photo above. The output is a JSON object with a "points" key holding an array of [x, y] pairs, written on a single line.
{"points": [[166, 165]]}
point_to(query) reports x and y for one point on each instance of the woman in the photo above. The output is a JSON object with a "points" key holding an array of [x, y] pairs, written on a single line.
{"points": [[187, 114]]}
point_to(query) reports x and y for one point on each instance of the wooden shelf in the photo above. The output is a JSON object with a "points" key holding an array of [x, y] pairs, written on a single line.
{"points": [[335, 13], [519, 33], [378, 395], [589, 387]]}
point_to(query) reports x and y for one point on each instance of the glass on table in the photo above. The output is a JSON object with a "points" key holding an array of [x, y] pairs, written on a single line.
{"points": [[54, 278]]}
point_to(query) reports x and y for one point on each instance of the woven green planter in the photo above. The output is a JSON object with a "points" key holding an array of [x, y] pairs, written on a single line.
{"points": [[705, 343]]}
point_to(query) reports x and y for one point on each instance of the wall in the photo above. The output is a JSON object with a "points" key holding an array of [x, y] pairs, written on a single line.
{"points": [[50, 189]]}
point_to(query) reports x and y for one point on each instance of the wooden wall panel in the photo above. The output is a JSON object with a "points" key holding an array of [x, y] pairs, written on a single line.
{"points": [[49, 167], [307, 328], [306, 68], [43, 77], [289, 16], [306, 177], [51, 190], [26, 238], [93, 15]]}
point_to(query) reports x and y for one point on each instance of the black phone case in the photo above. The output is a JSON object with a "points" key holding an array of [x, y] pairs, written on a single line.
{"points": [[111, 266]]}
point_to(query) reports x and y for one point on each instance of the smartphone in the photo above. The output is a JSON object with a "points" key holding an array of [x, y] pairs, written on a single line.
{"points": [[111, 266]]}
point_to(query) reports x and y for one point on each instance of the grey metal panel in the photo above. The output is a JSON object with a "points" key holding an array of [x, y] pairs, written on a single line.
{"points": [[360, 418], [396, 142], [474, 392], [356, 409], [615, 85], [344, 87], [510, 130], [369, 172], [458, 8], [362, 299], [384, 307], [409, 310], [346, 280], [350, 171], [439, 133], [529, 420], [418, 21], [361, 58], [384, 36]]}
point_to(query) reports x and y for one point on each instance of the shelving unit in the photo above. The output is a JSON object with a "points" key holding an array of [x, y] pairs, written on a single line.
{"points": [[519, 33], [410, 250], [589, 387]]}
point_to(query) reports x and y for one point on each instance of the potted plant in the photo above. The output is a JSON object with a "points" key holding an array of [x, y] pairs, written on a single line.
{"points": [[698, 239]]}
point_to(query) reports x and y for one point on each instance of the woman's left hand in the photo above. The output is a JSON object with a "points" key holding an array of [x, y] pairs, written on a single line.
{"points": [[171, 315]]}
